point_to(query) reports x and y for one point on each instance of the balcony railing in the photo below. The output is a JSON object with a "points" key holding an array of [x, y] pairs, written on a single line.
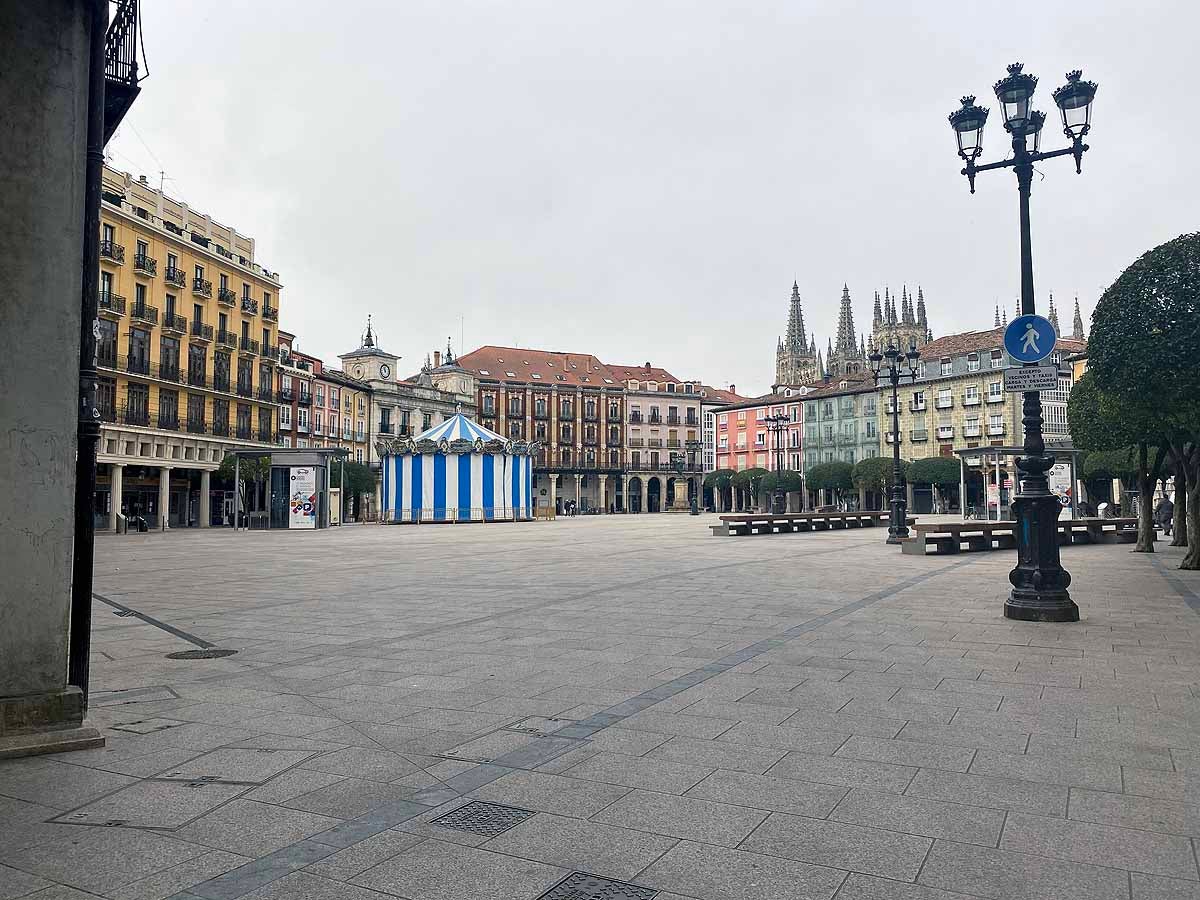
{"points": [[227, 339], [175, 323], [221, 382], [920, 435], [635, 419], [202, 332], [134, 416], [674, 443], [654, 419], [248, 345], [245, 389], [249, 305], [168, 372], [304, 398], [916, 405], [673, 420], [944, 402], [591, 416], [226, 296], [540, 413], [145, 313], [197, 379], [175, 277], [169, 421], [201, 287], [972, 431], [112, 251], [968, 400], [945, 431], [147, 265], [270, 313], [136, 365], [995, 398], [220, 429], [113, 303], [996, 429], [265, 393], [635, 442], [654, 442], [196, 426], [285, 395], [243, 431], [385, 427]]}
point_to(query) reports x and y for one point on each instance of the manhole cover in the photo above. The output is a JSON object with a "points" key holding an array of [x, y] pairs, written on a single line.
{"points": [[478, 817], [209, 653], [582, 886]]}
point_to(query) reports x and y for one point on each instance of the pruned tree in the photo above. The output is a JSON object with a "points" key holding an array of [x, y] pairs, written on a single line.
{"points": [[937, 471], [252, 470], [835, 477], [875, 475], [750, 480], [1145, 336]]}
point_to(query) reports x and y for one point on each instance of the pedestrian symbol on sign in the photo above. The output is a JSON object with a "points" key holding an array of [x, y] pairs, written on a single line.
{"points": [[1029, 339]]}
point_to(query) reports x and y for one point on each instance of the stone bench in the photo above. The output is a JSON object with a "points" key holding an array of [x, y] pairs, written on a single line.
{"points": [[959, 537], [768, 523]]}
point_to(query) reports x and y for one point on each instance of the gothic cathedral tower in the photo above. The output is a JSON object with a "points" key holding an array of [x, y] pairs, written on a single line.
{"points": [[907, 328], [795, 357]]}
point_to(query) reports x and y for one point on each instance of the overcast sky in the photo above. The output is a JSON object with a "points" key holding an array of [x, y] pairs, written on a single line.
{"points": [[644, 180]]}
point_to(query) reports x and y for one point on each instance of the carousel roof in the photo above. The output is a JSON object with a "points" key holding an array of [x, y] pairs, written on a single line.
{"points": [[458, 427]]}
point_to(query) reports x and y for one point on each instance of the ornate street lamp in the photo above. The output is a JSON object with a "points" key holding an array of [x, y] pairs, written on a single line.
{"points": [[900, 365], [1039, 581], [778, 424]]}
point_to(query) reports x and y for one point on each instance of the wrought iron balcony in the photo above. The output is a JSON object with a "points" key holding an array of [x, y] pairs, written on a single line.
{"points": [[112, 303], [945, 431], [168, 372], [221, 382], [995, 398], [147, 265], [197, 379], [202, 332], [972, 431], [226, 296], [916, 405], [591, 416], [540, 414], [174, 323], [227, 339], [120, 65], [245, 389], [996, 429], [196, 426], [202, 287], [145, 313], [175, 277], [304, 398], [168, 420], [943, 403], [970, 400], [248, 345], [270, 313], [285, 395], [244, 431], [265, 393], [654, 419], [112, 251], [134, 416], [635, 418], [220, 429], [267, 436], [137, 365], [916, 436], [385, 427], [249, 305], [673, 420]]}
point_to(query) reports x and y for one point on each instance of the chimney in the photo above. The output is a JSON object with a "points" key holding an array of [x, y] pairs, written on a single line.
{"points": [[733, 389], [437, 358], [142, 180]]}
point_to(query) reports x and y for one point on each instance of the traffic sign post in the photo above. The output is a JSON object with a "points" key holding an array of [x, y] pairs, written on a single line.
{"points": [[1030, 378], [1029, 338]]}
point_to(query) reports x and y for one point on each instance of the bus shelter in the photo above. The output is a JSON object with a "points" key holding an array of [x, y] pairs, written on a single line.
{"points": [[989, 475]]}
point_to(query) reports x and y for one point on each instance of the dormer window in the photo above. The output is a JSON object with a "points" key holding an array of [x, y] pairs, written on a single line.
{"points": [[535, 375], [842, 384], [484, 372], [608, 381], [633, 386]]}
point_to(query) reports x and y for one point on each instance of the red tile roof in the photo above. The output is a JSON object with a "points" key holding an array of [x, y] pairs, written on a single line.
{"points": [[516, 365], [720, 395], [645, 372]]}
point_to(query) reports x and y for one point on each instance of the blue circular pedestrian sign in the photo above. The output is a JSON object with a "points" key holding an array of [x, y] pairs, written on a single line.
{"points": [[1029, 339]]}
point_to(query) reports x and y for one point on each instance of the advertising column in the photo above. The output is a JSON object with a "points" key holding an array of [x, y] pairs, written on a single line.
{"points": [[302, 507]]}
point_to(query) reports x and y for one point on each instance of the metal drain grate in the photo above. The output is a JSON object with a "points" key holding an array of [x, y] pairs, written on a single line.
{"points": [[208, 653], [582, 886], [478, 817]]}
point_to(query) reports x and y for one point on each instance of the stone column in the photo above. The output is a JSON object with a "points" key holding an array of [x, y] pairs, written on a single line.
{"points": [[553, 481], [117, 478], [908, 489], [625, 493], [205, 498], [578, 492], [44, 95], [603, 494], [862, 497], [645, 494], [164, 497]]}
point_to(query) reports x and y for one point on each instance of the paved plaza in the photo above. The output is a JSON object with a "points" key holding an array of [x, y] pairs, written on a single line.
{"points": [[479, 712]]}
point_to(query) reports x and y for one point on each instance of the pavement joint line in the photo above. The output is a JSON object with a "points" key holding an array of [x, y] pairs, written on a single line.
{"points": [[150, 620], [1177, 584]]}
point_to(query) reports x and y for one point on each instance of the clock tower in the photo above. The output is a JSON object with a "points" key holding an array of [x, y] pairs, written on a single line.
{"points": [[370, 363]]}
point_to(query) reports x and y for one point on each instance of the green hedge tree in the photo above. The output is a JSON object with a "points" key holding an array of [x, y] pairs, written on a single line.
{"points": [[938, 471], [1142, 352], [835, 477], [875, 475], [750, 481]]}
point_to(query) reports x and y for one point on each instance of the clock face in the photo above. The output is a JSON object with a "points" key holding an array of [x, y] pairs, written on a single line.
{"points": [[385, 370], [358, 370]]}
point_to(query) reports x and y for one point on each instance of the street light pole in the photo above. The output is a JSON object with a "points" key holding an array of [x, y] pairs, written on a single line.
{"points": [[895, 372], [778, 423], [1039, 581]]}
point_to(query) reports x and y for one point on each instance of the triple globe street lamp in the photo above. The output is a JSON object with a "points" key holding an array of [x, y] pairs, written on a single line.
{"points": [[900, 365], [777, 424], [1039, 581]]}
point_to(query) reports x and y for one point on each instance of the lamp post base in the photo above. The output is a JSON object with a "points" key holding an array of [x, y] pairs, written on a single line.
{"points": [[898, 523], [1039, 581]]}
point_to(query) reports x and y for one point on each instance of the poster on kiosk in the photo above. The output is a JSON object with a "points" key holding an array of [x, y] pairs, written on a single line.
{"points": [[303, 502]]}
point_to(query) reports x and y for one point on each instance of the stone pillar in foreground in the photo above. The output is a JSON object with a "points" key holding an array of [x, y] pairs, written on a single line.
{"points": [[43, 145], [205, 497], [116, 492]]}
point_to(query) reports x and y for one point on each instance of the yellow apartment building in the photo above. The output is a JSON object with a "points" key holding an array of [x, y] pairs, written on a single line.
{"points": [[187, 351], [958, 402]]}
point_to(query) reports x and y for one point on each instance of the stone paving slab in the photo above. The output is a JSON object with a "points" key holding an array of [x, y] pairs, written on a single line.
{"points": [[798, 717]]}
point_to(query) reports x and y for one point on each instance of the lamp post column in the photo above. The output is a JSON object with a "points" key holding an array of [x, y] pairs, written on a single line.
{"points": [[1039, 581], [898, 527]]}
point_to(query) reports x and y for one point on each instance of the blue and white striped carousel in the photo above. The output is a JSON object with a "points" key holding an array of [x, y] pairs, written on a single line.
{"points": [[457, 471]]}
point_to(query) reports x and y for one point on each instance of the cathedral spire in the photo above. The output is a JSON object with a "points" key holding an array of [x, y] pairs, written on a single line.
{"points": [[921, 320], [1004, 317], [1077, 326], [877, 319], [795, 328], [1053, 317], [996, 321]]}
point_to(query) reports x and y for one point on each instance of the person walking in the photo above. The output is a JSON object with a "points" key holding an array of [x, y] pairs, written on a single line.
{"points": [[1164, 515]]}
